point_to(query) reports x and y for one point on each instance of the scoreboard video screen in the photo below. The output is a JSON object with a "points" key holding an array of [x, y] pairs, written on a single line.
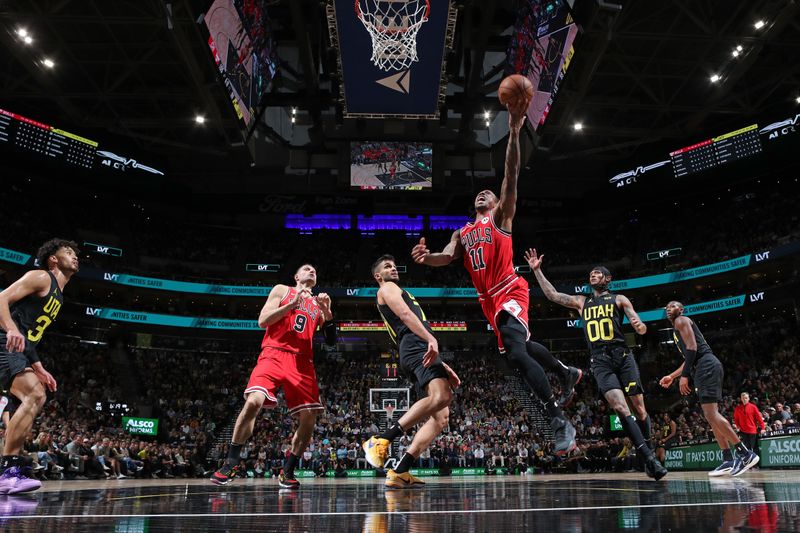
{"points": [[29, 135], [716, 151], [391, 166]]}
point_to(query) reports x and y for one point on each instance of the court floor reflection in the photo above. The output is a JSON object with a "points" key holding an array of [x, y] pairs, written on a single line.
{"points": [[761, 501]]}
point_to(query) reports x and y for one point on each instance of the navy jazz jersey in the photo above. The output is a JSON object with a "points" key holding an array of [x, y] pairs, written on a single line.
{"points": [[602, 322], [33, 314], [396, 327], [702, 346]]}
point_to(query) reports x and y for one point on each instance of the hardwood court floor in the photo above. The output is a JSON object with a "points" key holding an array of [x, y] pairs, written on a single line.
{"points": [[688, 501]]}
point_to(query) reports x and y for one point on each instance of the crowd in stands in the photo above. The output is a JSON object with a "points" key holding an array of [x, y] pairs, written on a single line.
{"points": [[488, 427]]}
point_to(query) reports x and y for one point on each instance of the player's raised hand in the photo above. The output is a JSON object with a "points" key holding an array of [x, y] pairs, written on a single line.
{"points": [[420, 252], [301, 295], [666, 381], [432, 353], [534, 260], [324, 302], [516, 113]]}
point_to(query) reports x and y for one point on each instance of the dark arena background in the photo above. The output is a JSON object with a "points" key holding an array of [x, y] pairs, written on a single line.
{"points": [[200, 151]]}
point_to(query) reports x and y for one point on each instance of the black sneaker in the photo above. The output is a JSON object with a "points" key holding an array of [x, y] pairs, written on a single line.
{"points": [[575, 375], [564, 436], [224, 475], [654, 469], [288, 481]]}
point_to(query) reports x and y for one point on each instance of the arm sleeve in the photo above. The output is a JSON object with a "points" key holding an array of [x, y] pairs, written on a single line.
{"points": [[329, 332], [690, 356]]}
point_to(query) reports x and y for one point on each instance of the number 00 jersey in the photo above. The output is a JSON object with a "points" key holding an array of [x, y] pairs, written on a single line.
{"points": [[602, 323], [396, 328], [488, 256], [295, 331], [33, 314]]}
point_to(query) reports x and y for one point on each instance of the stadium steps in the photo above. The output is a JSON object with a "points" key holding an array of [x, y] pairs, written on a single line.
{"points": [[532, 406]]}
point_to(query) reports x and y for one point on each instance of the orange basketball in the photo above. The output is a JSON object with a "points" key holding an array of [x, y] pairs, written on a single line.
{"points": [[515, 87]]}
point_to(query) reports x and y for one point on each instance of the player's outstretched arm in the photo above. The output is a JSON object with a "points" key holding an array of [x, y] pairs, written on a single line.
{"points": [[273, 310], [33, 282], [627, 307], [423, 256], [535, 262], [507, 205]]}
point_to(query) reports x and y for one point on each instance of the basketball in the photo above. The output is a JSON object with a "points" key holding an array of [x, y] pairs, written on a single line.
{"points": [[514, 87]]}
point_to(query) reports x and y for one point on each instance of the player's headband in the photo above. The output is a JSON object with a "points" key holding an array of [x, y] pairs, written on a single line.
{"points": [[603, 270]]}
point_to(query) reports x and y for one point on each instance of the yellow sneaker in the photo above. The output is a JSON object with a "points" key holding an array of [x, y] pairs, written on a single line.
{"points": [[376, 450], [402, 481]]}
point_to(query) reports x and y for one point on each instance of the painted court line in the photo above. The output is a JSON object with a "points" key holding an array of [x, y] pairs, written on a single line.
{"points": [[368, 513]]}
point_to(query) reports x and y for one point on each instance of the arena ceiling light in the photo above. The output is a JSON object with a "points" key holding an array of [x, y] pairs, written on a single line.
{"points": [[714, 78], [200, 119], [22, 32], [759, 24], [578, 126], [797, 99], [47, 62], [27, 39]]}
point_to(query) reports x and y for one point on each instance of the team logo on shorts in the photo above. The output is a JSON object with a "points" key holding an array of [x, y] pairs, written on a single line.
{"points": [[513, 308]]}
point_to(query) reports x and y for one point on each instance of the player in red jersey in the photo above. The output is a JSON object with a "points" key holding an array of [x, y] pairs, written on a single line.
{"points": [[487, 252], [290, 316]]}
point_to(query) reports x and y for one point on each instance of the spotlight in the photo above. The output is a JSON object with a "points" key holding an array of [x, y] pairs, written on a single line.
{"points": [[22, 32], [714, 78], [48, 62], [735, 53], [578, 126], [200, 119], [739, 48], [759, 24], [486, 115], [27, 39], [487, 123], [797, 99]]}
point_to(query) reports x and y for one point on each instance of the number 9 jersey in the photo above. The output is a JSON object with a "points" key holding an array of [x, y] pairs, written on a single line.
{"points": [[602, 323], [295, 331]]}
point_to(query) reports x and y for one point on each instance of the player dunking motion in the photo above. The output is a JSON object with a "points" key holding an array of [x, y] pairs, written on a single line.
{"points": [[27, 308], [487, 252], [613, 365], [706, 372], [419, 359], [291, 316]]}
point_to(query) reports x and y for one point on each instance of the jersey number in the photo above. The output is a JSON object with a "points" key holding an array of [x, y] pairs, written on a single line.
{"points": [[600, 330], [476, 256], [36, 334], [300, 323]]}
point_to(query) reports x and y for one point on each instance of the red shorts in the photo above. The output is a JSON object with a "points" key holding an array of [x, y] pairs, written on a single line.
{"points": [[513, 300], [294, 372]]}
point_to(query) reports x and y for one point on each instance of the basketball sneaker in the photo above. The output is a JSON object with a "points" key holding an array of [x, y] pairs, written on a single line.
{"points": [[575, 375], [376, 450], [224, 475], [15, 480], [564, 436], [288, 481], [402, 481], [654, 469], [723, 469], [743, 463]]}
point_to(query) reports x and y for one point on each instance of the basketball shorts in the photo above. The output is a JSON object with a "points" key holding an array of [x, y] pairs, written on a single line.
{"points": [[616, 368], [412, 351], [707, 378], [11, 364], [514, 300], [293, 372]]}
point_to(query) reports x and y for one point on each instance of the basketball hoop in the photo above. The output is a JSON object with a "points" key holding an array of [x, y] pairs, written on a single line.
{"points": [[389, 411], [393, 27]]}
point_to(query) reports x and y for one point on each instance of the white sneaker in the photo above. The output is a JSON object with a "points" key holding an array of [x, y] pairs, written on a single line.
{"points": [[122, 476]]}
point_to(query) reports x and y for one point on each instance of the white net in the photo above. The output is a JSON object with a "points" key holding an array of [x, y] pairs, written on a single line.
{"points": [[393, 27]]}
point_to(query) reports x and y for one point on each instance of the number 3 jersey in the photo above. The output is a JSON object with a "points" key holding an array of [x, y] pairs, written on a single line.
{"points": [[33, 314], [488, 256], [602, 322], [295, 331]]}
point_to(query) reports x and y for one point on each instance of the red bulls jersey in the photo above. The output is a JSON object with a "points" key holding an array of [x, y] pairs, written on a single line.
{"points": [[488, 256], [295, 331]]}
